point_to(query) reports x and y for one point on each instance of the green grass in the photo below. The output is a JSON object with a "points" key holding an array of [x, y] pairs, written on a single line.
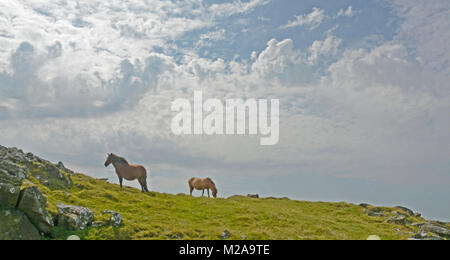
{"points": [[166, 216]]}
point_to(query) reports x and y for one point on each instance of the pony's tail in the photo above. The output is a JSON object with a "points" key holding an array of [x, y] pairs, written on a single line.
{"points": [[144, 182]]}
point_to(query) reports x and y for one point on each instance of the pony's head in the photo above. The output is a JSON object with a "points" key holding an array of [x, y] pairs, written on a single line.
{"points": [[108, 160], [214, 192]]}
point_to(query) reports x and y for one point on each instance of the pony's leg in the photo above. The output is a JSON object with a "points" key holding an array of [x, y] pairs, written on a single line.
{"points": [[120, 181], [143, 185], [208, 193], [192, 189], [146, 187], [203, 193]]}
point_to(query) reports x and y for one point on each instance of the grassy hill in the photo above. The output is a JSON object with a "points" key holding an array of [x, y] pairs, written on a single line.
{"points": [[165, 216]]}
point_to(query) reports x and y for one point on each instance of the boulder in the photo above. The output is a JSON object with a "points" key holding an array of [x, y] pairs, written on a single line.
{"points": [[374, 237], [34, 205], [74, 238], [73, 217], [116, 218], [14, 225], [254, 196], [11, 178]]}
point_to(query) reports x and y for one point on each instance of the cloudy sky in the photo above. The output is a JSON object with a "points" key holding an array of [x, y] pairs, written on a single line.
{"points": [[363, 86]]}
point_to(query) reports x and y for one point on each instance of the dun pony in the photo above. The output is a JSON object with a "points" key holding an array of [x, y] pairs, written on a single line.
{"points": [[127, 171], [203, 184]]}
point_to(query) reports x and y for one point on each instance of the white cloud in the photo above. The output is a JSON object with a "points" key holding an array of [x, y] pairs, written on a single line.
{"points": [[236, 7], [207, 39], [425, 30], [379, 113], [329, 47], [346, 13], [312, 20]]}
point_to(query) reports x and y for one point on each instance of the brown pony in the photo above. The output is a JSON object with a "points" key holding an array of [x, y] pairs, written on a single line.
{"points": [[127, 171], [203, 184]]}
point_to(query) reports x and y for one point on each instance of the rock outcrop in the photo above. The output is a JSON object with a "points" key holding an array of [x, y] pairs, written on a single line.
{"points": [[406, 210], [23, 210], [74, 217], [11, 178], [15, 225], [439, 230], [54, 176], [34, 204], [375, 212], [116, 218], [427, 230], [398, 219]]}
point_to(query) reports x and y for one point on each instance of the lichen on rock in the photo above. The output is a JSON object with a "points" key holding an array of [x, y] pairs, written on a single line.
{"points": [[34, 205], [11, 178], [14, 225], [74, 217], [116, 218]]}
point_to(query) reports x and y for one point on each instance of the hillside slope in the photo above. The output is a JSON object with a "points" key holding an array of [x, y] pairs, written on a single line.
{"points": [[164, 216]]}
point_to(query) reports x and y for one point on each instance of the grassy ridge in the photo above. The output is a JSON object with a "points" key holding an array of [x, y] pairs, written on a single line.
{"points": [[165, 216]]}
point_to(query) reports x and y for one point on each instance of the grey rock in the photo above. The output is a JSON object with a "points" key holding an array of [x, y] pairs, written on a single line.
{"points": [[175, 236], [98, 224], [373, 238], [14, 225], [11, 178], [418, 224], [63, 168], [34, 205], [438, 230], [408, 211], [73, 217], [438, 223], [254, 196], [398, 219], [375, 212], [364, 205], [424, 236], [116, 218], [74, 238], [225, 235], [52, 177]]}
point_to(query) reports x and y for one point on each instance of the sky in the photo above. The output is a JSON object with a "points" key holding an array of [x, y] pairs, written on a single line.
{"points": [[363, 87]]}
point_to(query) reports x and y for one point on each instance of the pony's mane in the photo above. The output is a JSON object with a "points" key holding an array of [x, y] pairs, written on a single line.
{"points": [[209, 179], [119, 159]]}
